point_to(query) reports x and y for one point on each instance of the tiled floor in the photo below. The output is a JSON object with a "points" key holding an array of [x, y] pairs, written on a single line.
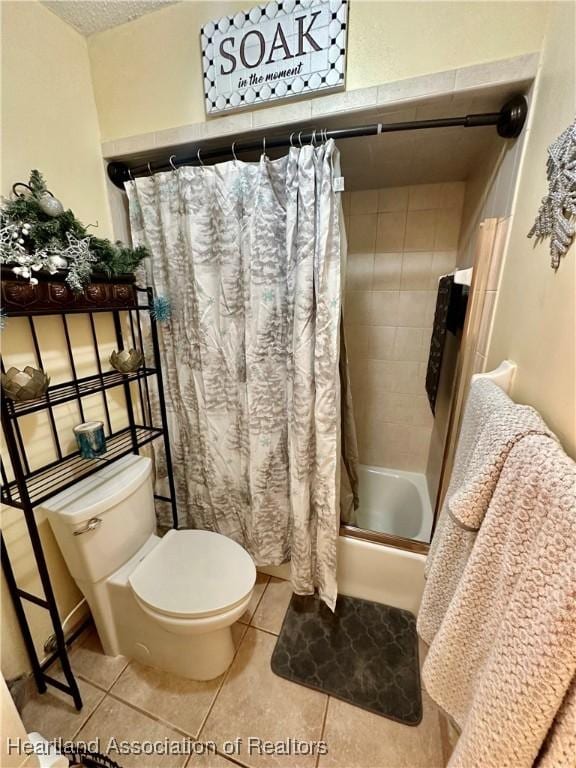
{"points": [[127, 701]]}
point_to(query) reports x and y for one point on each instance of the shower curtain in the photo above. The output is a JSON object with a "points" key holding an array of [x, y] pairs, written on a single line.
{"points": [[249, 255]]}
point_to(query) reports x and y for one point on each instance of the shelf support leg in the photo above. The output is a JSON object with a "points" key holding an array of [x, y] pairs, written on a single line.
{"points": [[163, 414], [21, 617], [52, 607], [41, 565]]}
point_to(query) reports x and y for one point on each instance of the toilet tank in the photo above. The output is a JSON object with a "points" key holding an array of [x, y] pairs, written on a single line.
{"points": [[102, 520]]}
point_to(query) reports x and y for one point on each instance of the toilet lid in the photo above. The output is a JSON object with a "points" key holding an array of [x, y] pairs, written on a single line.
{"points": [[197, 573]]}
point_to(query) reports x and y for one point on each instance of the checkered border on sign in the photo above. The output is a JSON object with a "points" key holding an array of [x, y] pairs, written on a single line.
{"points": [[332, 79]]}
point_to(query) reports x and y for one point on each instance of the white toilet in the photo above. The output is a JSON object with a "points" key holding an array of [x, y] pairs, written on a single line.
{"points": [[168, 602]]}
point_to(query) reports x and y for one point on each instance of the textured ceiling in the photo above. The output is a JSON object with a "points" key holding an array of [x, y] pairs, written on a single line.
{"points": [[90, 16]]}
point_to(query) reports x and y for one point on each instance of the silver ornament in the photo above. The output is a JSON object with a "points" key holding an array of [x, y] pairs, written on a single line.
{"points": [[50, 205], [556, 218], [57, 262]]}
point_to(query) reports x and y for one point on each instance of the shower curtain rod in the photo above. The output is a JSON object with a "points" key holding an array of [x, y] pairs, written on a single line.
{"points": [[509, 122]]}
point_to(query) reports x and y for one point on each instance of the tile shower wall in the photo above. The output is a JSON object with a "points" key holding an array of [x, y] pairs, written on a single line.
{"points": [[400, 240]]}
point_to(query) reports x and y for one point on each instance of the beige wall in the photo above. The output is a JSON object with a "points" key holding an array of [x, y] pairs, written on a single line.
{"points": [[534, 323], [49, 122], [147, 73], [49, 116], [400, 240]]}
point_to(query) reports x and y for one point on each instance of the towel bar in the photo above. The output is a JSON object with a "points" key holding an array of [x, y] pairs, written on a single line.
{"points": [[463, 276], [503, 375]]}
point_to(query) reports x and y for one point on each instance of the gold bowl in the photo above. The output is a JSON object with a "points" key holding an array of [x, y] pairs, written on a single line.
{"points": [[126, 361], [21, 386]]}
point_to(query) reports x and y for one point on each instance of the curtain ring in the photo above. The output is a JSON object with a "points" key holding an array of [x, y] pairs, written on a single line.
{"points": [[313, 138], [234, 151], [291, 135], [300, 138], [264, 145], [199, 158], [150, 170], [172, 163], [130, 174]]}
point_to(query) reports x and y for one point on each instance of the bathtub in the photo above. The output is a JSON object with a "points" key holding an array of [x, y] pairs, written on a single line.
{"points": [[394, 502], [374, 570]]}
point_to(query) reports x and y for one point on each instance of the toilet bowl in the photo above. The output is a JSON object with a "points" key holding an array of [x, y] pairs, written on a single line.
{"points": [[168, 602], [196, 583]]}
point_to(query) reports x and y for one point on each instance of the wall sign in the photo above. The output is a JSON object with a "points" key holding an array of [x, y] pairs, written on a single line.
{"points": [[274, 51]]}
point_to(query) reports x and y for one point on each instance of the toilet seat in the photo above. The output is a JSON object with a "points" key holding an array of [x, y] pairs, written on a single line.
{"points": [[193, 574]]}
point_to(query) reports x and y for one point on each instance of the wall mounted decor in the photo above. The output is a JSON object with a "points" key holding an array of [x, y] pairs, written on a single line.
{"points": [[556, 218], [274, 51]]}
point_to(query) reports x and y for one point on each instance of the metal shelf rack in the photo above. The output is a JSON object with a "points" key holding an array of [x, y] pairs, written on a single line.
{"points": [[32, 486]]}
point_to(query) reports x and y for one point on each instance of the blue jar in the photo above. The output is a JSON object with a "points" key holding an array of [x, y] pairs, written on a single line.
{"points": [[90, 439]]}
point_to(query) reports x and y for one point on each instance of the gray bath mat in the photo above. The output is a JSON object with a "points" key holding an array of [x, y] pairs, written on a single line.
{"points": [[364, 653]]}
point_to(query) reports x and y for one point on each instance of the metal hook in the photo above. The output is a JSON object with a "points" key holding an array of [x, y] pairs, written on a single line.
{"points": [[199, 158], [300, 139], [325, 135], [171, 163], [234, 151], [150, 170], [130, 174], [20, 184], [292, 134], [264, 145], [313, 138]]}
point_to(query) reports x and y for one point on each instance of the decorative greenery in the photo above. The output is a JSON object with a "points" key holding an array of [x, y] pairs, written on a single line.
{"points": [[34, 239]]}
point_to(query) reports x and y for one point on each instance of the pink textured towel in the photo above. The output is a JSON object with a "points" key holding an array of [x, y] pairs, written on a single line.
{"points": [[491, 426], [559, 750], [503, 660]]}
